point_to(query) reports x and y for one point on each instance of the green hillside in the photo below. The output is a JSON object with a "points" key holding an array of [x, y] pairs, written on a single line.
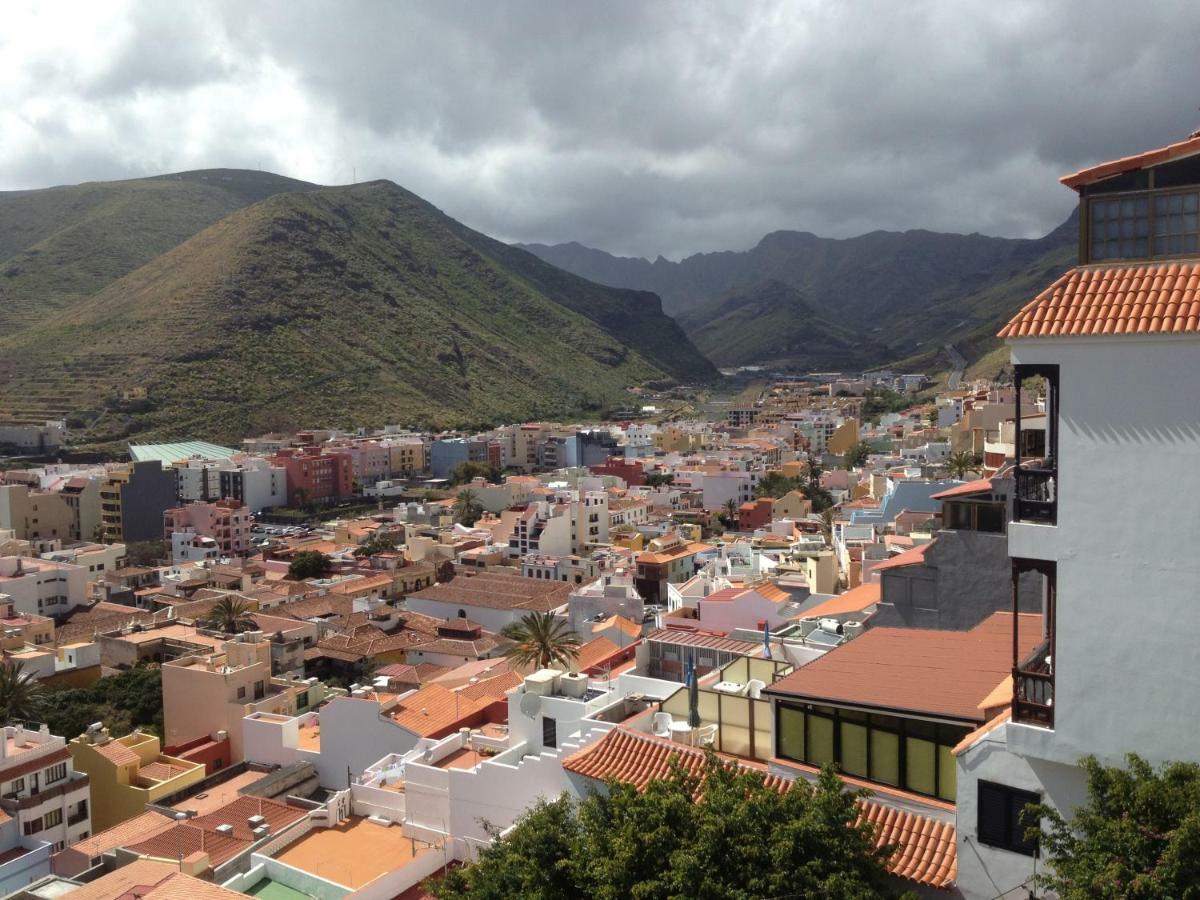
{"points": [[347, 306], [60, 245], [771, 323], [900, 295]]}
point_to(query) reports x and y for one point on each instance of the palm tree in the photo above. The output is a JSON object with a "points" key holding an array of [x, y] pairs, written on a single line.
{"points": [[959, 465], [231, 615], [541, 639], [21, 695], [467, 507]]}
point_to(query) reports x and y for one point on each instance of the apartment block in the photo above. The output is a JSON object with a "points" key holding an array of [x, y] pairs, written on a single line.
{"points": [[314, 476], [45, 800], [133, 498], [226, 522], [41, 586]]}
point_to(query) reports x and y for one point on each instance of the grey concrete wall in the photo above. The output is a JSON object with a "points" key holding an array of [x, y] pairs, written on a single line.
{"points": [[149, 493], [966, 576]]}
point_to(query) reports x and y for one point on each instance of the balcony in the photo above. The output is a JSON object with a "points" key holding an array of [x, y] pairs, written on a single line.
{"points": [[1036, 497], [77, 818], [1033, 688]]}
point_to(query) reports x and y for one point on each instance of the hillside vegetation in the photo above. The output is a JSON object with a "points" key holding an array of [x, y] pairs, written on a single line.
{"points": [[350, 306], [894, 296]]}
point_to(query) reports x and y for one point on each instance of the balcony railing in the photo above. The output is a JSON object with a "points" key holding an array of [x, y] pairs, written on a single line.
{"points": [[1033, 688], [76, 818], [1036, 493]]}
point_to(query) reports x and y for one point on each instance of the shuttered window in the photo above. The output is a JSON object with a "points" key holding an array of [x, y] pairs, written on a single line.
{"points": [[1000, 822]]}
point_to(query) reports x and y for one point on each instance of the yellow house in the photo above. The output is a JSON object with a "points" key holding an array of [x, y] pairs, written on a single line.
{"points": [[844, 437], [792, 505], [127, 773]]}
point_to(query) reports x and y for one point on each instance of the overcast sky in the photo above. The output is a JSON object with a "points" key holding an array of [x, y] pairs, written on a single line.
{"points": [[641, 128]]}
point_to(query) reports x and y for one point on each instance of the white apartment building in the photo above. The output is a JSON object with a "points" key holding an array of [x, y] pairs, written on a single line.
{"points": [[41, 586], [1117, 357], [95, 559], [45, 802], [251, 479]]}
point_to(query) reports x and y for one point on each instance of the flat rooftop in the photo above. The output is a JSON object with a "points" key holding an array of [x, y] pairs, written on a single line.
{"points": [[173, 452], [173, 632], [213, 798], [353, 853]]}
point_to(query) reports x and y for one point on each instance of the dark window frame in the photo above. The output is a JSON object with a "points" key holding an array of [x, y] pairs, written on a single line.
{"points": [[1002, 835]]}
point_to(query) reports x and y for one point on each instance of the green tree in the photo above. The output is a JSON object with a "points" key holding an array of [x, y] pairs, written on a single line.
{"points": [[658, 479], [309, 564], [123, 702], [542, 640], [857, 456], [774, 485], [467, 508], [466, 472], [1136, 838], [145, 553], [722, 833], [231, 615], [374, 545], [22, 696], [960, 464]]}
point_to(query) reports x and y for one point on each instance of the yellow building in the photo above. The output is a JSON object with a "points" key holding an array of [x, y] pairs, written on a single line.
{"points": [[843, 439], [792, 505], [127, 773]]}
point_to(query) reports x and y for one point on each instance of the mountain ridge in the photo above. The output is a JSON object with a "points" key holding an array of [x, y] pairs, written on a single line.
{"points": [[353, 305], [898, 291]]}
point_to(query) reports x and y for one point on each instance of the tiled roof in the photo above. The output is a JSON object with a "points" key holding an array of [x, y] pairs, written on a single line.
{"points": [[181, 886], [992, 724], [593, 652], [184, 839], [491, 590], [1149, 298], [855, 600], [432, 709], [236, 812], [916, 670], [139, 828], [119, 882], [116, 753], [913, 557], [1177, 150], [979, 486], [926, 852], [7, 773], [495, 687]]}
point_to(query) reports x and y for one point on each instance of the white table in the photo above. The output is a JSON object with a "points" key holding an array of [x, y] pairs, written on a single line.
{"points": [[681, 732], [728, 687]]}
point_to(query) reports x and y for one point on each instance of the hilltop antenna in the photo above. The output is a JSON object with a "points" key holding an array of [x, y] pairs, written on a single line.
{"points": [[354, 177]]}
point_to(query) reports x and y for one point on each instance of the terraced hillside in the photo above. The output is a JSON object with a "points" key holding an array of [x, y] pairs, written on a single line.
{"points": [[351, 306]]}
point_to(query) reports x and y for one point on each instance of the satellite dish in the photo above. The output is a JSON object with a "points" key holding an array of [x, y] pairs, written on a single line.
{"points": [[531, 705]]}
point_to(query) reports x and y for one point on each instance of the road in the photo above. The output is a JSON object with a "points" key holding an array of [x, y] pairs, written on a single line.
{"points": [[959, 362]]}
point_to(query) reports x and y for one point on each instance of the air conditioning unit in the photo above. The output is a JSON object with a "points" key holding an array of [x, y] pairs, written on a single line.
{"points": [[573, 684], [256, 821], [260, 832], [807, 626], [226, 830]]}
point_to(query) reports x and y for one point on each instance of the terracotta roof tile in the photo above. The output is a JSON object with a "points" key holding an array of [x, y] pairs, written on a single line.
{"points": [[139, 828], [855, 600], [434, 709], [493, 590], [1146, 298], [704, 640], [926, 850], [1177, 150], [116, 753], [117, 883], [913, 557], [918, 670], [979, 486]]}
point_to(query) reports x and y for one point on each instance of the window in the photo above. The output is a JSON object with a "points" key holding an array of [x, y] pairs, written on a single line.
{"points": [[52, 818], [241, 693], [1175, 224], [1120, 228], [16, 786], [1144, 225], [33, 826], [549, 732], [1000, 823], [56, 773], [908, 753]]}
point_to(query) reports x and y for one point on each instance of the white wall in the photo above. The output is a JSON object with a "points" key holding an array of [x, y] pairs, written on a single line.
{"points": [[1125, 677], [355, 735], [986, 872]]}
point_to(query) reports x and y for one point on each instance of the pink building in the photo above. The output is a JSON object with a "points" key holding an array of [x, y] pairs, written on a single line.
{"points": [[225, 521]]}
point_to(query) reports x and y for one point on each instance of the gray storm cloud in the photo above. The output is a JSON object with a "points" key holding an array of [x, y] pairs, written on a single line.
{"points": [[640, 128]]}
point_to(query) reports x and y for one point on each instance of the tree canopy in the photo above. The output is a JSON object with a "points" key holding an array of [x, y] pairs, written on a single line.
{"points": [[541, 640], [857, 455], [123, 702], [1136, 838], [309, 564], [720, 834], [231, 615], [469, 471], [467, 508], [374, 545], [22, 696]]}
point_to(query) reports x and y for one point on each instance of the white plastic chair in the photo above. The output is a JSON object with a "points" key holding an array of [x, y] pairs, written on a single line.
{"points": [[704, 736], [660, 724]]}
